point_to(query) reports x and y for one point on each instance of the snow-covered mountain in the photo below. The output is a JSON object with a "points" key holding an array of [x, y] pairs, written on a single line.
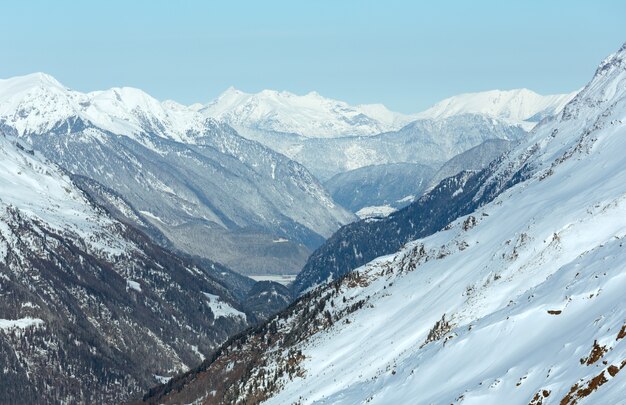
{"points": [[91, 310], [522, 301], [519, 106], [309, 116], [209, 191]]}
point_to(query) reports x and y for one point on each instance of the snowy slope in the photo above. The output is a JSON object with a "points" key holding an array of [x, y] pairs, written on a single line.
{"points": [[520, 302], [43, 193], [310, 115], [519, 106]]}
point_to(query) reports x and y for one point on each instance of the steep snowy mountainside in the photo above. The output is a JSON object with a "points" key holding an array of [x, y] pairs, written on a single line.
{"points": [[310, 115], [209, 191], [520, 302], [91, 309], [520, 106]]}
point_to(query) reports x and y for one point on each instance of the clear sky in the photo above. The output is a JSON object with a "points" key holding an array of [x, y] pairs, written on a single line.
{"points": [[405, 54]]}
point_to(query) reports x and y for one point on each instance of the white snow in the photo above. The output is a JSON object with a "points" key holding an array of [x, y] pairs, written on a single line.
{"points": [[314, 116], [161, 379], [133, 285], [197, 352], [221, 308], [22, 323], [42, 192], [151, 216], [407, 199], [375, 211], [37, 103], [284, 279]]}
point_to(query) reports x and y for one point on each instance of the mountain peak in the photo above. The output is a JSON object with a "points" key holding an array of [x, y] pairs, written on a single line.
{"points": [[38, 78], [232, 90], [21, 84]]}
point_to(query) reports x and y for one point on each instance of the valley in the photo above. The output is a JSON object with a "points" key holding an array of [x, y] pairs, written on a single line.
{"points": [[377, 210]]}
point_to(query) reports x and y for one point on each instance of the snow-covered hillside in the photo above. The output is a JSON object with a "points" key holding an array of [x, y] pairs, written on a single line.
{"points": [[520, 302], [519, 106], [310, 115]]}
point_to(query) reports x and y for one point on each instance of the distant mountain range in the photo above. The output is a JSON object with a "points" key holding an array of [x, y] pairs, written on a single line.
{"points": [[426, 142], [314, 116]]}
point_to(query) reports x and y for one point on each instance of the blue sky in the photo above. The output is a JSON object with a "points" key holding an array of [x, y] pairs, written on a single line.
{"points": [[405, 54]]}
